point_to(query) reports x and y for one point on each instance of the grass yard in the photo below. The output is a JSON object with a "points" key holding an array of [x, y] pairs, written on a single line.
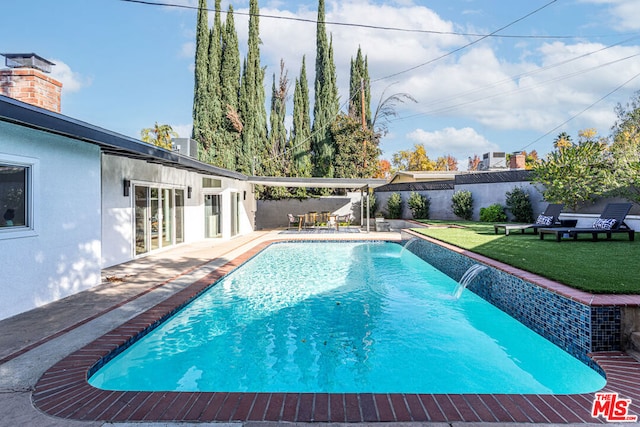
{"points": [[604, 266]]}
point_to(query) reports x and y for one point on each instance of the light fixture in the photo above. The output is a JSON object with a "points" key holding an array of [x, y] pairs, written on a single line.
{"points": [[126, 185], [244, 195], [189, 192]]}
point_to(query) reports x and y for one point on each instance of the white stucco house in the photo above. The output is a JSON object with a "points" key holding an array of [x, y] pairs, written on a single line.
{"points": [[75, 198]]}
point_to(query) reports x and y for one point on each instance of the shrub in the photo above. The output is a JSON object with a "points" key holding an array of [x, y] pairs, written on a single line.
{"points": [[493, 213], [462, 204], [419, 205], [394, 205], [519, 204]]}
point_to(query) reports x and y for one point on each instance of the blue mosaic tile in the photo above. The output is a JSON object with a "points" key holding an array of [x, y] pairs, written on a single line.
{"points": [[577, 328]]}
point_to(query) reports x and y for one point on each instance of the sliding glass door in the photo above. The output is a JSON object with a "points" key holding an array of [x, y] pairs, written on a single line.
{"points": [[158, 218], [212, 220]]}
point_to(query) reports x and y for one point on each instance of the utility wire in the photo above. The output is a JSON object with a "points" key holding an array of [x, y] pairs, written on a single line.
{"points": [[581, 112], [512, 78], [518, 90], [367, 26], [468, 44]]}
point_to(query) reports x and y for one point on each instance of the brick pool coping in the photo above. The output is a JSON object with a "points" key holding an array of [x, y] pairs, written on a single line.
{"points": [[63, 390]]}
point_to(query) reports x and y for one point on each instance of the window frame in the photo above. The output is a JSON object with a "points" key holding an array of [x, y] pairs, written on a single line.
{"points": [[32, 167]]}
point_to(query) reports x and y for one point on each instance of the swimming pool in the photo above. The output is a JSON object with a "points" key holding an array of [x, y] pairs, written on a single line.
{"points": [[343, 317]]}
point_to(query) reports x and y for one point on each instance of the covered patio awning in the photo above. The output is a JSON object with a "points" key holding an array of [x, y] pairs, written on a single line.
{"points": [[317, 182], [363, 184]]}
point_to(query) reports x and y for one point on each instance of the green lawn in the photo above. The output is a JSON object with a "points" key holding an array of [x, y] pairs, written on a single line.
{"points": [[605, 266]]}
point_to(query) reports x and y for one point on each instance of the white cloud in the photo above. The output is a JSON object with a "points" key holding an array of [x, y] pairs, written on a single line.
{"points": [[71, 80], [460, 143], [624, 13]]}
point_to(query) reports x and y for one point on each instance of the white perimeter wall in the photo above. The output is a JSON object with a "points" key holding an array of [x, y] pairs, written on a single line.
{"points": [[118, 210], [61, 256]]}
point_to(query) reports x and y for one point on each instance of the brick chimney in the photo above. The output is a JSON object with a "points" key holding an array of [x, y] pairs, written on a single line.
{"points": [[517, 161], [26, 80]]}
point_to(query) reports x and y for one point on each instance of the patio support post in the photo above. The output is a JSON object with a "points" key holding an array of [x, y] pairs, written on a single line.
{"points": [[361, 208], [367, 189]]}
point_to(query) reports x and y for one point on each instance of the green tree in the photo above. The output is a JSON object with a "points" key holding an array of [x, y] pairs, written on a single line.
{"points": [[252, 101], [625, 150], [360, 92], [419, 205], [326, 105], [575, 174], [395, 205], [229, 91], [493, 213], [353, 159], [519, 204], [301, 133], [159, 135], [276, 163], [201, 76], [462, 204], [214, 153]]}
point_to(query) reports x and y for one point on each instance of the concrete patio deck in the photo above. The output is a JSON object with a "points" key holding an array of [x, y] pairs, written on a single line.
{"points": [[33, 342]]}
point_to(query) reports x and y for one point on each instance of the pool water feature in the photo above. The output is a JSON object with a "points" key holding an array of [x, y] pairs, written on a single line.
{"points": [[343, 317]]}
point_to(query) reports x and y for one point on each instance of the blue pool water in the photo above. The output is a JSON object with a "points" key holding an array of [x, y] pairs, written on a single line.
{"points": [[343, 317]]}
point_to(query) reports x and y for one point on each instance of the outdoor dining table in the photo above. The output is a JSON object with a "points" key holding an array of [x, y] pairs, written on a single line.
{"points": [[301, 221]]}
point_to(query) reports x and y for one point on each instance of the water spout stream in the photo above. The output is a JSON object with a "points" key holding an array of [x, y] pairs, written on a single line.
{"points": [[466, 278], [406, 245]]}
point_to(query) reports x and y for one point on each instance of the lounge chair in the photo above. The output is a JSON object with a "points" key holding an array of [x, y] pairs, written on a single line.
{"points": [[611, 221], [548, 218]]}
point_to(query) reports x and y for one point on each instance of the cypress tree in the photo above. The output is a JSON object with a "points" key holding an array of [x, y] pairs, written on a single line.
{"points": [[326, 104], [230, 90], [276, 162], [252, 100], [201, 77], [215, 154], [359, 77], [300, 141]]}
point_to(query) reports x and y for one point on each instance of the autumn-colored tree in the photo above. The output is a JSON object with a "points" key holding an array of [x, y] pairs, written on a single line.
{"points": [[562, 140], [474, 163], [159, 135], [384, 169], [447, 163], [530, 159], [413, 160]]}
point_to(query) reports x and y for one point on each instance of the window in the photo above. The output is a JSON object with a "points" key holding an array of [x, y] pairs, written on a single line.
{"points": [[211, 183], [14, 203]]}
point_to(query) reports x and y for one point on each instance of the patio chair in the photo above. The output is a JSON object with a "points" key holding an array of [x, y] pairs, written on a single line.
{"points": [[611, 221], [548, 218], [293, 221]]}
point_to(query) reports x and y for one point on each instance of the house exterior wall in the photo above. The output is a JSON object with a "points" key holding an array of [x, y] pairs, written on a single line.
{"points": [[59, 254], [118, 233]]}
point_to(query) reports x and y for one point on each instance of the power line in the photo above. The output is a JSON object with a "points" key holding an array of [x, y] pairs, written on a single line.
{"points": [[520, 89], [368, 26], [581, 112], [468, 44]]}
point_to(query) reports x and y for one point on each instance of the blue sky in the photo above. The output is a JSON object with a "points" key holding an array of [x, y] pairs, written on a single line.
{"points": [[125, 65]]}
